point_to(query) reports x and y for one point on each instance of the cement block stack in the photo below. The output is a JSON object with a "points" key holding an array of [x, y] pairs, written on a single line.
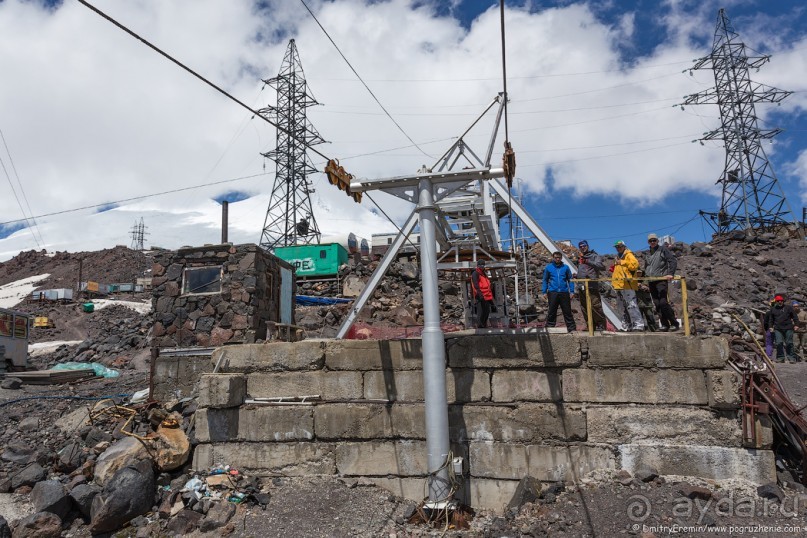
{"points": [[549, 406]]}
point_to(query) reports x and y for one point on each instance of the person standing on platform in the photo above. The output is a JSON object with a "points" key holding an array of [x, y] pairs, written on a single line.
{"points": [[590, 265], [559, 290], [625, 285], [660, 262], [482, 292]]}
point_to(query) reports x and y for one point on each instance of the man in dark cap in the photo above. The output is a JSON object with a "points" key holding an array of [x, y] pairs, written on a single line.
{"points": [[482, 292], [661, 262], [590, 265], [781, 320]]}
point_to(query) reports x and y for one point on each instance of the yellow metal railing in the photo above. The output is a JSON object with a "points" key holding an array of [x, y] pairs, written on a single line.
{"points": [[589, 315]]}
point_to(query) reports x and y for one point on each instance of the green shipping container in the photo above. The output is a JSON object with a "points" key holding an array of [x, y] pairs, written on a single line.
{"points": [[314, 260]]}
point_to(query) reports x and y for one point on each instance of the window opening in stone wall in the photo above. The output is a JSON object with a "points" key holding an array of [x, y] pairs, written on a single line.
{"points": [[202, 280]]}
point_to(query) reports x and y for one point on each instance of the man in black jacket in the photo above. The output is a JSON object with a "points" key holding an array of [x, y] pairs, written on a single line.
{"points": [[660, 262], [590, 265], [781, 320]]}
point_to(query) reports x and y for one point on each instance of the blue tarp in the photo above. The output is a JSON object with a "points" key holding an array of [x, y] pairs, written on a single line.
{"points": [[308, 300]]}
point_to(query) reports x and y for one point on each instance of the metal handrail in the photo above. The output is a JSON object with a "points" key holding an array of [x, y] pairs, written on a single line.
{"points": [[684, 298]]}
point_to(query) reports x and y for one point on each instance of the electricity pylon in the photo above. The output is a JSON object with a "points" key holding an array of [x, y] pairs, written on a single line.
{"points": [[138, 233], [752, 198], [289, 218]]}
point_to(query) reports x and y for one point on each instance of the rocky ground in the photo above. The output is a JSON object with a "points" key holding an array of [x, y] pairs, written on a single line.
{"points": [[49, 453]]}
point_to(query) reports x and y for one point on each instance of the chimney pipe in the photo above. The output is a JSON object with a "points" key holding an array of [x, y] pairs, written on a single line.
{"points": [[224, 208]]}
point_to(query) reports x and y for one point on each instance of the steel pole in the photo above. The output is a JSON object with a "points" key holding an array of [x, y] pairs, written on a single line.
{"points": [[434, 360]]}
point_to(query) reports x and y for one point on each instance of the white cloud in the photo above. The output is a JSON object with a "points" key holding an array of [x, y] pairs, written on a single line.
{"points": [[91, 115]]}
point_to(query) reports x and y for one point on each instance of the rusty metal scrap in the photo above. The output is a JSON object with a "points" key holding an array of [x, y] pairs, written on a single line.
{"points": [[762, 394]]}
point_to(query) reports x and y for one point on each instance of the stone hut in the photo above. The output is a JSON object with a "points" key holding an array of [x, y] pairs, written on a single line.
{"points": [[219, 294]]}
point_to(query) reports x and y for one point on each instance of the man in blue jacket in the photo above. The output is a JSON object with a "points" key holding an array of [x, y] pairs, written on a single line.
{"points": [[559, 290]]}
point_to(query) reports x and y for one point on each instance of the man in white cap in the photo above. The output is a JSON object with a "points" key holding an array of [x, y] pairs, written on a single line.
{"points": [[660, 262]]}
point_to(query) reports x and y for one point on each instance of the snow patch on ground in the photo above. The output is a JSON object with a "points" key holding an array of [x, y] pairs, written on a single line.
{"points": [[43, 348], [143, 307], [13, 293]]}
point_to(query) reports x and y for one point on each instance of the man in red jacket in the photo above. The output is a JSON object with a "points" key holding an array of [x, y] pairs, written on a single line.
{"points": [[482, 292]]}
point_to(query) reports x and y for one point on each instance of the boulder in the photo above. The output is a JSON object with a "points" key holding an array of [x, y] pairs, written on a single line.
{"points": [[184, 523], [218, 516], [51, 496], [18, 453], [646, 474], [28, 476], [771, 491], [28, 425], [11, 383], [71, 456], [126, 451], [39, 525], [83, 494], [527, 491], [5, 530], [172, 448], [128, 494]]}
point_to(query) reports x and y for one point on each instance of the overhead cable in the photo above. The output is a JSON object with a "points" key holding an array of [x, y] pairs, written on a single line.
{"points": [[361, 79], [197, 75], [143, 197], [25, 218]]}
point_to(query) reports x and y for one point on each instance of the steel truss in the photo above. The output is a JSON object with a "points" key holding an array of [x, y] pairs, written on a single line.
{"points": [[138, 233], [289, 218], [752, 198], [468, 204]]}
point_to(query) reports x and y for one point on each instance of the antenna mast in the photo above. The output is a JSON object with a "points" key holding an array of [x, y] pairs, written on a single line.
{"points": [[752, 198], [289, 218]]}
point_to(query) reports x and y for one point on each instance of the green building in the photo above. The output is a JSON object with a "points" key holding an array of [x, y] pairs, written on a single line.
{"points": [[314, 260]]}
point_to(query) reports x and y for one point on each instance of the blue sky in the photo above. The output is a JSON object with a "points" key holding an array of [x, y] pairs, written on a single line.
{"points": [[93, 119]]}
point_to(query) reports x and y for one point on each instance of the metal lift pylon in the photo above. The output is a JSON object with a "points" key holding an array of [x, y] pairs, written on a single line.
{"points": [[448, 160]]}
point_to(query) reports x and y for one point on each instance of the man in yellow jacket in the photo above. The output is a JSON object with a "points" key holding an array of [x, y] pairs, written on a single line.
{"points": [[625, 285]]}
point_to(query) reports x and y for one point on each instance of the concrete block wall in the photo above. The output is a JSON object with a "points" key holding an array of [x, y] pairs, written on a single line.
{"points": [[553, 406]]}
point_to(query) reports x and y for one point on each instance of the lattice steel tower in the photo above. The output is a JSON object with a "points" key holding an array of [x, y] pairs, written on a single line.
{"points": [[289, 218], [752, 198], [138, 233]]}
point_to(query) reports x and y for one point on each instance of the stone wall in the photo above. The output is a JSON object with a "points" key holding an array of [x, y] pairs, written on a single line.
{"points": [[551, 406], [249, 296]]}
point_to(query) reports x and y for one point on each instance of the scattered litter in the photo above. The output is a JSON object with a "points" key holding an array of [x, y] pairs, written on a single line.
{"points": [[225, 483], [140, 396], [99, 369]]}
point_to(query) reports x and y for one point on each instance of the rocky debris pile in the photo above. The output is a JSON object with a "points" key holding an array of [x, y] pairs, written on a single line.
{"points": [[109, 336], [106, 470], [397, 301], [643, 503], [112, 265]]}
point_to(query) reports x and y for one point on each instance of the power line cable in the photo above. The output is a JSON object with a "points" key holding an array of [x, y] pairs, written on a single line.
{"points": [[25, 219], [360, 79], [41, 241], [143, 197], [527, 77], [197, 75]]}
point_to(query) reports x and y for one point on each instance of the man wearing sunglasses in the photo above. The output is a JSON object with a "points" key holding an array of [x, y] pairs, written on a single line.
{"points": [[660, 262]]}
